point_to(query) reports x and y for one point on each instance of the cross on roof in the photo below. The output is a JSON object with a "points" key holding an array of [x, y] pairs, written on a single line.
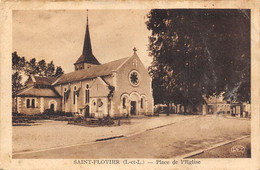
{"points": [[135, 50]]}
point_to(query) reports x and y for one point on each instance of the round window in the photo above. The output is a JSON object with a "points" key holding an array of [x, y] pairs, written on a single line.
{"points": [[134, 78]]}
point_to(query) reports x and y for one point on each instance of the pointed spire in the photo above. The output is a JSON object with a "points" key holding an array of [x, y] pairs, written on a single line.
{"points": [[87, 49], [87, 55], [87, 16]]}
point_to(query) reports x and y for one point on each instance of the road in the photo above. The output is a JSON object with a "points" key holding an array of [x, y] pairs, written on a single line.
{"points": [[165, 142], [243, 150]]}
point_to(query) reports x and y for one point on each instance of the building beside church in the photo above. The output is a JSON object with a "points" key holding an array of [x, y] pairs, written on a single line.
{"points": [[118, 88], [37, 96], [216, 105]]}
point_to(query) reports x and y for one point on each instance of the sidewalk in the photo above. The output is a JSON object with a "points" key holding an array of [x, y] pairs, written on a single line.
{"points": [[53, 134]]}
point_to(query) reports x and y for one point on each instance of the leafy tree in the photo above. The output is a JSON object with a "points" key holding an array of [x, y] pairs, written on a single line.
{"points": [[229, 45], [58, 71], [196, 52], [42, 67], [22, 67], [16, 82], [50, 70], [31, 67], [18, 62], [179, 57]]}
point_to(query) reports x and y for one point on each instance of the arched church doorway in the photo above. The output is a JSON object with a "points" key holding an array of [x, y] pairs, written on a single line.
{"points": [[133, 108], [87, 111], [134, 98]]}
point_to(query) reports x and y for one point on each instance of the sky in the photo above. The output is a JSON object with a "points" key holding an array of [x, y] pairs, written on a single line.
{"points": [[58, 35]]}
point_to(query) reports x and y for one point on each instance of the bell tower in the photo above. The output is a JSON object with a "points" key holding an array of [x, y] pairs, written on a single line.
{"points": [[87, 59]]}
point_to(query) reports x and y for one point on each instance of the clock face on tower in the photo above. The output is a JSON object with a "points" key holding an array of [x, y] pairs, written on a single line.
{"points": [[134, 78]]}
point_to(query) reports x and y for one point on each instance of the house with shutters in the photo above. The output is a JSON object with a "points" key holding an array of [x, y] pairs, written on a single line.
{"points": [[118, 88]]}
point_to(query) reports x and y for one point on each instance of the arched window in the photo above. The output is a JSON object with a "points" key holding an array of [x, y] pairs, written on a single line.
{"points": [[142, 103], [87, 94], [99, 102], [64, 96], [28, 103], [74, 97], [33, 103], [74, 94], [124, 100]]}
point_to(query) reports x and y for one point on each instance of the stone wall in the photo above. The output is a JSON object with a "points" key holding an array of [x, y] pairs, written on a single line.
{"points": [[41, 104]]}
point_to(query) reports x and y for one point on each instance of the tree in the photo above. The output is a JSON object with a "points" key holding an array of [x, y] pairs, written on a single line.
{"points": [[31, 67], [58, 71], [42, 67], [50, 70], [179, 55], [229, 45], [21, 68], [192, 53], [16, 82], [18, 64]]}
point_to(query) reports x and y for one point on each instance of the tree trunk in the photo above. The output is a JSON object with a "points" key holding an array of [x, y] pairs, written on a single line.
{"points": [[167, 110], [185, 109], [241, 110]]}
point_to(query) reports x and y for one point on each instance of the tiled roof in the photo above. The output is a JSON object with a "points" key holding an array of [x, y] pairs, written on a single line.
{"points": [[87, 55], [87, 58], [92, 72], [38, 92], [44, 80]]}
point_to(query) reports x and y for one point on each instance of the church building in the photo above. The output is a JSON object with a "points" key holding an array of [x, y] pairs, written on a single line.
{"points": [[118, 88]]}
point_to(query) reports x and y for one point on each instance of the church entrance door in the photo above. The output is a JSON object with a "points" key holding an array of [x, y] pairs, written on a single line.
{"points": [[87, 111], [133, 108]]}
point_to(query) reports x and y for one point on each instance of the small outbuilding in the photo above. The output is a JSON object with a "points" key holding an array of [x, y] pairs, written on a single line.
{"points": [[38, 96]]}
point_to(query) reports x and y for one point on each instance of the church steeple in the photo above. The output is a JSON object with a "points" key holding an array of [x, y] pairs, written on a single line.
{"points": [[87, 58], [87, 50]]}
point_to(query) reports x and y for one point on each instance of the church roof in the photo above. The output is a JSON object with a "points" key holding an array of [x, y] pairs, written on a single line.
{"points": [[87, 55], [44, 80], [92, 72], [38, 92], [91, 59]]}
